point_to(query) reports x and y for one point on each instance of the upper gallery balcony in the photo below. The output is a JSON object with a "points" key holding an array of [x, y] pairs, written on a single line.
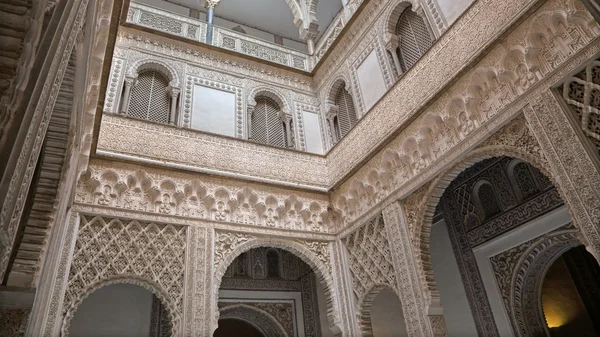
{"points": [[284, 49]]}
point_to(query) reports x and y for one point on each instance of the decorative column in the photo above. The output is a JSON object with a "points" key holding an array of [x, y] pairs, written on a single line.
{"points": [[569, 163], [129, 81], [332, 112], [287, 120], [309, 34], [422, 318], [210, 13], [391, 44], [174, 96], [346, 324], [251, 106]]}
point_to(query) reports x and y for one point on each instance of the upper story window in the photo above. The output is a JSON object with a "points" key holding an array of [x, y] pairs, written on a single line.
{"points": [[149, 94], [341, 113], [269, 124], [414, 38], [150, 97], [408, 38], [346, 116]]}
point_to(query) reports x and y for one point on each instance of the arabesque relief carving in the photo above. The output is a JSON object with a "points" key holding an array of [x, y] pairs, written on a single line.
{"points": [[160, 192]]}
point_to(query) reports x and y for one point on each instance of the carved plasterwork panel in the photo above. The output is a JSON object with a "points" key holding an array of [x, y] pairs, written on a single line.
{"points": [[13, 322], [188, 195], [199, 151], [572, 167], [114, 251], [370, 259]]}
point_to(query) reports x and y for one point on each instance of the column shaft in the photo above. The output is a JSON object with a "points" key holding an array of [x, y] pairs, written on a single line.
{"points": [[126, 97]]}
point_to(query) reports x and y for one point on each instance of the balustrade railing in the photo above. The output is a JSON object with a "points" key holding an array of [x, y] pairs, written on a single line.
{"points": [[193, 29], [170, 23], [244, 44]]}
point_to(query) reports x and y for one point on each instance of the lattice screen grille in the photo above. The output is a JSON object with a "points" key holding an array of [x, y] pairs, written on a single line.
{"points": [[149, 97], [267, 127], [346, 114], [414, 38], [582, 93]]}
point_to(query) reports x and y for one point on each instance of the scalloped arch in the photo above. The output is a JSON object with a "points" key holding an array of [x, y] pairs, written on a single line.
{"points": [[157, 65], [272, 93], [335, 85], [394, 11]]}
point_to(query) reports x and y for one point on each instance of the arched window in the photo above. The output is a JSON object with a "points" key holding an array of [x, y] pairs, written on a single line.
{"points": [[346, 116], [273, 266], [415, 39], [150, 97], [488, 201], [267, 126]]}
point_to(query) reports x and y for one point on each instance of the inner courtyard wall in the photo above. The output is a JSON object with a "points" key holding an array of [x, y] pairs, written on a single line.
{"points": [[203, 222]]}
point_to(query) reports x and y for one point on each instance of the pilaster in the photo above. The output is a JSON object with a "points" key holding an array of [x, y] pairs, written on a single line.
{"points": [[46, 314], [571, 166], [421, 319], [348, 324]]}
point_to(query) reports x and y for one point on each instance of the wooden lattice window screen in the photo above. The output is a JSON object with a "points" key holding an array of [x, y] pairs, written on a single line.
{"points": [[346, 113], [267, 126], [150, 98], [415, 39]]}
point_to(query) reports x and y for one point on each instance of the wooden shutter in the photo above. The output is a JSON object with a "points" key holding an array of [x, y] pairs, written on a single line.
{"points": [[149, 97], [346, 114], [267, 127], [414, 38]]}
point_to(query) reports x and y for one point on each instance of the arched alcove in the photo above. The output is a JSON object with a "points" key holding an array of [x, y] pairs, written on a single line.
{"points": [[481, 203], [120, 309], [299, 290], [570, 295], [385, 316]]}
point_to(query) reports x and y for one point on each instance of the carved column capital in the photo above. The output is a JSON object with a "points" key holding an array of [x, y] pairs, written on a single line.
{"points": [[130, 80], [331, 111], [392, 41], [211, 4], [174, 91]]}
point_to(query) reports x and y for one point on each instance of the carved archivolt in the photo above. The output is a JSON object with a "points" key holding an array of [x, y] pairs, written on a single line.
{"points": [[260, 319], [111, 251], [270, 92], [514, 140], [155, 64], [553, 35], [159, 192], [520, 272], [229, 245]]}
